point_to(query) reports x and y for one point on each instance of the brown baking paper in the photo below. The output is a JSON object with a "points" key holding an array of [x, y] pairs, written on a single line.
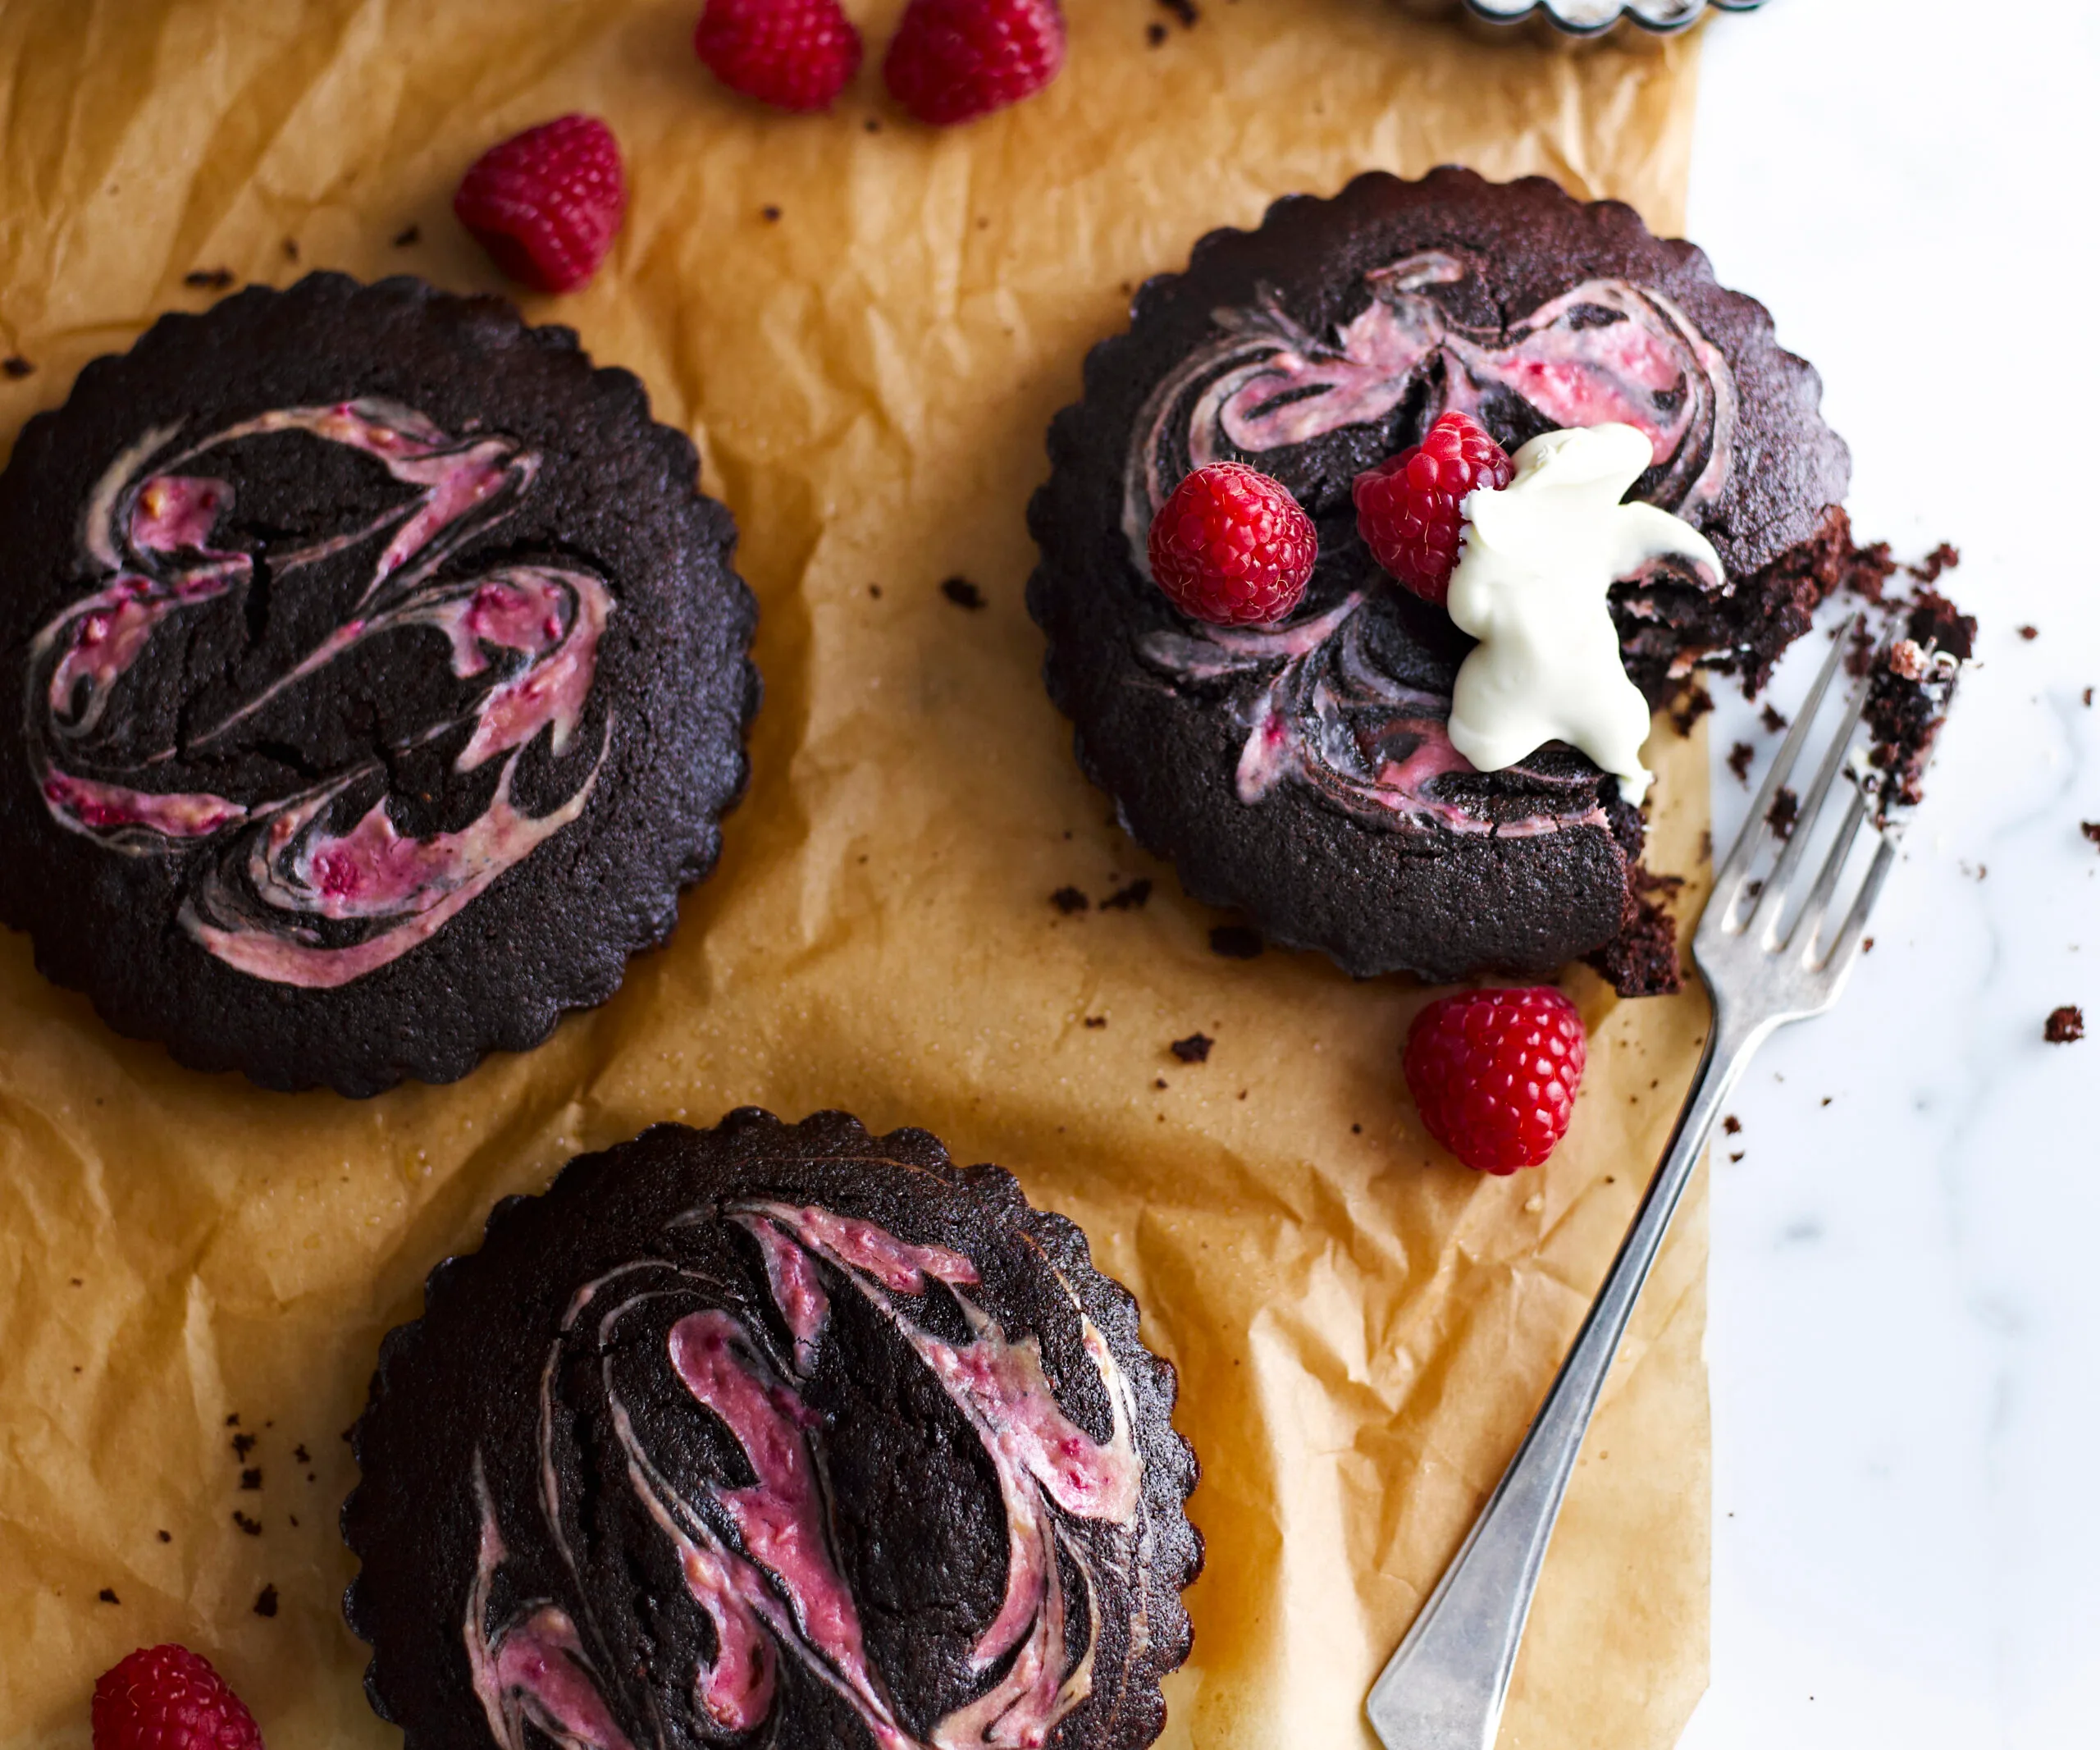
{"points": [[866, 327]]}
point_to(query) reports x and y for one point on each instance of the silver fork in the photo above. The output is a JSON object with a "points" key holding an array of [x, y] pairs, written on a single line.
{"points": [[1445, 1689]]}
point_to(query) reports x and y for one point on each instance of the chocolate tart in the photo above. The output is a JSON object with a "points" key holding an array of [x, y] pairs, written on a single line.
{"points": [[379, 676], [1303, 773], [772, 1434]]}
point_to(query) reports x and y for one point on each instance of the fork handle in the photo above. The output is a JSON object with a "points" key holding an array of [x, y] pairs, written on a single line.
{"points": [[1445, 1689]]}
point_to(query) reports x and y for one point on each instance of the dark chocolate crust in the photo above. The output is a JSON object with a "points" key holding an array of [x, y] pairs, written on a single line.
{"points": [[915, 1512], [615, 491], [1310, 873]]}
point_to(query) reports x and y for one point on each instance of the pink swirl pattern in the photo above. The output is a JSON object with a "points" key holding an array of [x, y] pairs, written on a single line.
{"points": [[759, 1560], [271, 868]]}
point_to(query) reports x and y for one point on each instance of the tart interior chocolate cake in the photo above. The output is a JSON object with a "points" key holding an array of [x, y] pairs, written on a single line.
{"points": [[772, 1434], [379, 678], [1303, 771]]}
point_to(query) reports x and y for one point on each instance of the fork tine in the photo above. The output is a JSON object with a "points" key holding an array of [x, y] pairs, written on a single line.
{"points": [[1817, 901], [1727, 880], [1776, 883], [1847, 949]]}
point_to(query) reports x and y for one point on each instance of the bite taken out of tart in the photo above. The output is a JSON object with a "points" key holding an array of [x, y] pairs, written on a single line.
{"points": [[1420, 752], [772, 1434], [377, 678]]}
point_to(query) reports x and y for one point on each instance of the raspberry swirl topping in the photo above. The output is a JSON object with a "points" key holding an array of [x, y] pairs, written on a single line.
{"points": [[314, 885], [1343, 697], [761, 1561]]}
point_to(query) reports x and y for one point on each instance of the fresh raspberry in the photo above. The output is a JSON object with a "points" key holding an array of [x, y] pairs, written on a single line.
{"points": [[953, 61], [794, 54], [1407, 507], [1493, 1073], [1231, 547], [169, 1698], [547, 204]]}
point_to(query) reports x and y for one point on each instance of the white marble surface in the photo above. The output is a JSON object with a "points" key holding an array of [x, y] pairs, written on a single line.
{"points": [[1905, 1329]]}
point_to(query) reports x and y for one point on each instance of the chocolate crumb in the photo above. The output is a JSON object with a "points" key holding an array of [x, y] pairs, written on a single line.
{"points": [[251, 1479], [291, 249], [2030, 633], [1739, 758], [1159, 1082], [1706, 844], [234, 1421], [1068, 900], [1732, 1125], [875, 591], [1196, 1048], [873, 125], [75, 1282], [1184, 10], [253, 1527], [770, 214], [243, 1444], [1772, 720], [165, 1536], [963, 593], [108, 1595], [1692, 704], [1859, 658], [1235, 941], [1942, 558], [1933, 620], [2064, 1024], [1865, 571], [208, 279], [408, 237], [1243, 1093], [1866, 945], [1356, 1130], [1155, 35], [16, 367], [266, 1601], [1130, 898], [302, 1455], [2091, 828], [1641, 960], [1095, 1021], [1785, 811], [2088, 696], [1735, 1154]]}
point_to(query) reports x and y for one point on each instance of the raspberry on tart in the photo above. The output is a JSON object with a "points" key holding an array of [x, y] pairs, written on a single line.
{"points": [[1410, 508], [546, 203], [1494, 1074], [952, 61], [794, 54], [1231, 547]]}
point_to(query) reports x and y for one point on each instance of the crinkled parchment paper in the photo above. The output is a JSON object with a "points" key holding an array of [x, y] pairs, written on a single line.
{"points": [[866, 327]]}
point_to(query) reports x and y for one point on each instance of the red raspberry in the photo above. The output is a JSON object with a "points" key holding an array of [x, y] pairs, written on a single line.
{"points": [[547, 204], [953, 61], [794, 54], [1493, 1073], [1231, 547], [1407, 507], [169, 1698]]}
